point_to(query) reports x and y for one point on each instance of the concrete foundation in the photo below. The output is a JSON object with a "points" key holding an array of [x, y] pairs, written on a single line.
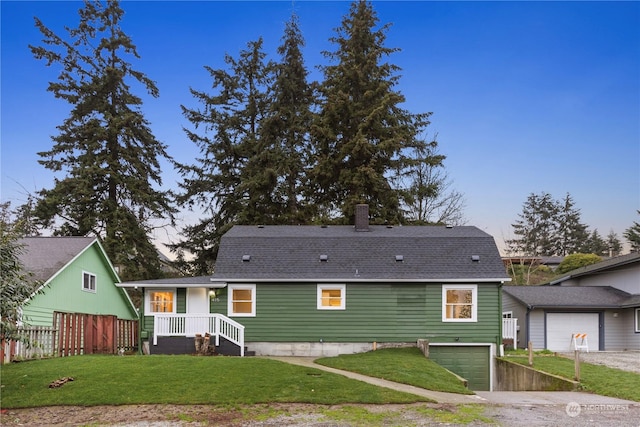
{"points": [[317, 349]]}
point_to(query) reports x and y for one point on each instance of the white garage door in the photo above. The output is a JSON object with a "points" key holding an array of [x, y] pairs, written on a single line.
{"points": [[560, 326]]}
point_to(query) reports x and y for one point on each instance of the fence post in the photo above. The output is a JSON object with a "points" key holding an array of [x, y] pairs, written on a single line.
{"points": [[530, 349], [576, 364]]}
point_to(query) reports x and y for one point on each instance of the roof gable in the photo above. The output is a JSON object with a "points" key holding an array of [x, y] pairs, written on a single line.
{"points": [[568, 296], [310, 253], [43, 257], [599, 267]]}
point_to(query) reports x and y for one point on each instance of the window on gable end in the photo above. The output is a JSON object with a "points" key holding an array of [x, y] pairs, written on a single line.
{"points": [[88, 282]]}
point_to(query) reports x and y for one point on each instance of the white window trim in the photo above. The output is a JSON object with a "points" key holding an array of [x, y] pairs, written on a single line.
{"points": [[507, 314], [230, 311], [95, 277], [474, 302], [343, 296], [637, 319], [147, 301]]}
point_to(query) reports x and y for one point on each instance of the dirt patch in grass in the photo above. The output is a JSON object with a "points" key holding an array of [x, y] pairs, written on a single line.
{"points": [[272, 415], [308, 415]]}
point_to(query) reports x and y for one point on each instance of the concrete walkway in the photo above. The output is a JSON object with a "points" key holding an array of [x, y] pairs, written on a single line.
{"points": [[515, 398], [438, 396]]}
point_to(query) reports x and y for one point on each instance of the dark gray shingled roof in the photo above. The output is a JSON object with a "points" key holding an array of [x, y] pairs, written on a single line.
{"points": [[568, 296], [293, 253], [45, 256]]}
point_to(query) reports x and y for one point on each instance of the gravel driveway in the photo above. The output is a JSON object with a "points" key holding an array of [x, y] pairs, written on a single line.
{"points": [[625, 360]]}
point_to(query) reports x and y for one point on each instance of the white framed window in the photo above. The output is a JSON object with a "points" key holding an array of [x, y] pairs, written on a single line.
{"points": [[332, 297], [459, 303], [637, 323], [507, 314], [88, 282], [241, 301], [160, 301]]}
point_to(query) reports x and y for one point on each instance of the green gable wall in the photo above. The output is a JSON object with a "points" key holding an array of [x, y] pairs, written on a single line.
{"points": [[64, 292], [374, 312]]}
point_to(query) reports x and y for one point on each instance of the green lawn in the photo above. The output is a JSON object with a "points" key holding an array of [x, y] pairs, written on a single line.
{"points": [[402, 365], [593, 378], [114, 380]]}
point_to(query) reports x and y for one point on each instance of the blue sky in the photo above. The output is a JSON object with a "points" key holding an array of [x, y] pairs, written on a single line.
{"points": [[526, 96]]}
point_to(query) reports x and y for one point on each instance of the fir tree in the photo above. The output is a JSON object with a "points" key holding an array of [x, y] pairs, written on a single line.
{"points": [[614, 244], [632, 234], [572, 233], [226, 130], [536, 228], [361, 131], [105, 146], [285, 133]]}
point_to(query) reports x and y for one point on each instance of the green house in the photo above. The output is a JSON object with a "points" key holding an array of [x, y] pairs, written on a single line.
{"points": [[74, 276], [327, 290]]}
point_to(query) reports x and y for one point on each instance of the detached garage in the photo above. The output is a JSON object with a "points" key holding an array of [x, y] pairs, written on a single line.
{"points": [[549, 315], [561, 326]]}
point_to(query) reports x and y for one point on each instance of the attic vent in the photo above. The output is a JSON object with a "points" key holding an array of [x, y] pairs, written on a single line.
{"points": [[399, 258], [475, 258], [246, 258], [324, 258]]}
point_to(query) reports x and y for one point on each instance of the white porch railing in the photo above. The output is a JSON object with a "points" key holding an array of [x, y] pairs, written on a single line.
{"points": [[188, 325], [510, 330]]}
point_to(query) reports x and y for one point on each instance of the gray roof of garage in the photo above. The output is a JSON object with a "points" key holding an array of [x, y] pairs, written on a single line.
{"points": [[569, 296], [400, 253]]}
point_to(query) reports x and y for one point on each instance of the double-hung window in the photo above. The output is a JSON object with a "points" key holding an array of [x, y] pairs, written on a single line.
{"points": [[332, 297], [459, 303], [637, 319], [88, 282], [160, 301], [241, 301]]}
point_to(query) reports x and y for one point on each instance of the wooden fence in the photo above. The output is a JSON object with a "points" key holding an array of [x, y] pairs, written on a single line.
{"points": [[74, 334]]}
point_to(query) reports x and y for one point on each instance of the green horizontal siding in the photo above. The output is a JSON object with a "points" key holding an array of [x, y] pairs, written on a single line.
{"points": [[374, 312]]}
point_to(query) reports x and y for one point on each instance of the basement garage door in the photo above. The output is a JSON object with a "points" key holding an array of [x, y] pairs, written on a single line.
{"points": [[560, 327], [470, 362]]}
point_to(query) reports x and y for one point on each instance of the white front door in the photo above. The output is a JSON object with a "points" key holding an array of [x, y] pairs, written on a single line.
{"points": [[197, 301], [560, 326]]}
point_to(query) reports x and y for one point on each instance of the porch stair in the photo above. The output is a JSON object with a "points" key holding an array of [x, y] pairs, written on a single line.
{"points": [[227, 333]]}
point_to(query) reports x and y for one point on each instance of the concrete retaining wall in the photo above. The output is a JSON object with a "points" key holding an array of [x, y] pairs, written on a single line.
{"points": [[512, 376]]}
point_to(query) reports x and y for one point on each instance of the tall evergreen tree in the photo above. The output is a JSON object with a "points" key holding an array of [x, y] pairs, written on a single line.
{"points": [[572, 233], [595, 244], [226, 128], [536, 227], [106, 146], [361, 131], [285, 133], [632, 234], [614, 244]]}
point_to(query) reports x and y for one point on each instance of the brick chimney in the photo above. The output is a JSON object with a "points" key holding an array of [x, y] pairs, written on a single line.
{"points": [[362, 217]]}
